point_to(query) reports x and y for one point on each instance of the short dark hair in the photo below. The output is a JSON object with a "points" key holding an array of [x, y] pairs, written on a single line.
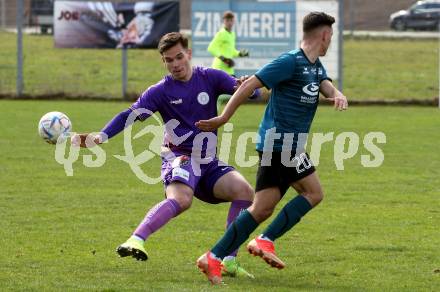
{"points": [[316, 19], [170, 40], [228, 14]]}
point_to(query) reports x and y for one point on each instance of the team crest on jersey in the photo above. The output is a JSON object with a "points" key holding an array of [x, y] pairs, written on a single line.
{"points": [[181, 161], [203, 98]]}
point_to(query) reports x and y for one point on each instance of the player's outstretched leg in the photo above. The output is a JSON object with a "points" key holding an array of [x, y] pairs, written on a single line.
{"points": [[231, 267], [157, 217], [266, 250], [211, 267], [288, 217], [234, 236]]}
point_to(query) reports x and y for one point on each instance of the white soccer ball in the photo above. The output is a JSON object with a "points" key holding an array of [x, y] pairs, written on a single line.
{"points": [[54, 125]]}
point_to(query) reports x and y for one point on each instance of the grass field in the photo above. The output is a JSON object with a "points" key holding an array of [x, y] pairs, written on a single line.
{"points": [[373, 69], [377, 229], [391, 69]]}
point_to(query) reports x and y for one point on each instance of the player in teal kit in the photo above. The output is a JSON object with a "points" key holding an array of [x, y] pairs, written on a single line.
{"points": [[296, 78]]}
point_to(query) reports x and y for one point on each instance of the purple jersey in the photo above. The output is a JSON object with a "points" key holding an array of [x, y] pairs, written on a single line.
{"points": [[187, 102]]}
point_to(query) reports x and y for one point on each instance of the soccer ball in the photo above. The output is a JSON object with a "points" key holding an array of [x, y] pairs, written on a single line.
{"points": [[53, 125]]}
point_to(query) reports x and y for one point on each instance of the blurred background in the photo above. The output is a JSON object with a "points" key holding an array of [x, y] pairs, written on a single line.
{"points": [[390, 52]]}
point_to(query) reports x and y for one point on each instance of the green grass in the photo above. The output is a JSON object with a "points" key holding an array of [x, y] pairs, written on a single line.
{"points": [[377, 229], [78, 72], [384, 69], [391, 69]]}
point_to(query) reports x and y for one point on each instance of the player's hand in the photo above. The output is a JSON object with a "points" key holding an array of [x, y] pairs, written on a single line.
{"points": [[230, 62], [211, 124], [340, 102], [240, 81], [85, 140], [227, 61], [243, 53]]}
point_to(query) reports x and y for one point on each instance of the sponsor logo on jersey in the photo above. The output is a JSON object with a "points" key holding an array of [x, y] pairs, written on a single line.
{"points": [[308, 99], [180, 172], [306, 71], [177, 101], [311, 89]]}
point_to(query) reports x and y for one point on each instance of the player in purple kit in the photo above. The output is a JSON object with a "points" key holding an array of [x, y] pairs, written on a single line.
{"points": [[189, 164]]}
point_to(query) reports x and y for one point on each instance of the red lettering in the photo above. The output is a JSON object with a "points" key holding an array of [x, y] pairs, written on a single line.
{"points": [[69, 15]]}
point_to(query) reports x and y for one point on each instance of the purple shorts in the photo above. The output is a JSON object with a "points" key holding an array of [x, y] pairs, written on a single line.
{"points": [[201, 177]]}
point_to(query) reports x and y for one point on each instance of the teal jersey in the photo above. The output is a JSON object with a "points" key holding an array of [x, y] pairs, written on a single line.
{"points": [[295, 82]]}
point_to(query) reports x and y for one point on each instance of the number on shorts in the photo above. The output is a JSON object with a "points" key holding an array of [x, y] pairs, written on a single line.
{"points": [[302, 163]]}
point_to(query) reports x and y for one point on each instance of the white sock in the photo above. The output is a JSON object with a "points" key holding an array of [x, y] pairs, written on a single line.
{"points": [[264, 238], [215, 257]]}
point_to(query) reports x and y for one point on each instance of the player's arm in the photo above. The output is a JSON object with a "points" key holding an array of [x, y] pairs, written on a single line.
{"points": [[111, 129], [243, 92], [214, 46], [236, 53], [241, 80], [144, 107], [331, 93]]}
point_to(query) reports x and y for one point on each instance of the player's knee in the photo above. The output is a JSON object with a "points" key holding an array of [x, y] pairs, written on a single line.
{"points": [[181, 193], [261, 213], [184, 203], [243, 191], [315, 197]]}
